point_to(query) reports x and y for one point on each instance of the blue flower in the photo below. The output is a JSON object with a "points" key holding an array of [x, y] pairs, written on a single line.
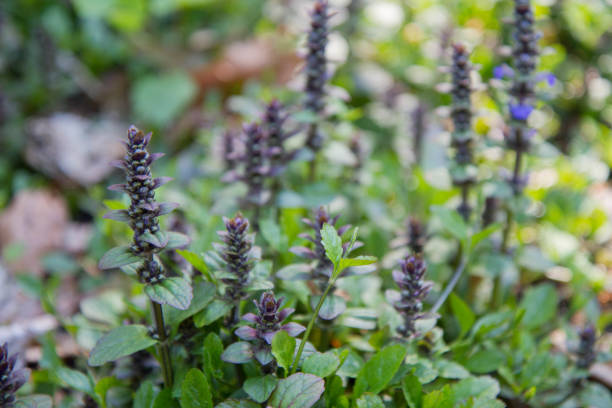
{"points": [[503, 71], [521, 111], [549, 77]]}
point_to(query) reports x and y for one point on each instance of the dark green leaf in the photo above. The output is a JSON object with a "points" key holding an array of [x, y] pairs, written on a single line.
{"points": [[540, 304], [175, 292], [216, 309], [413, 390], [75, 379], [476, 387], [213, 348], [164, 400], [234, 403], [331, 308], [203, 294], [380, 369], [34, 401], [297, 391], [485, 361], [197, 261], [120, 342], [260, 388], [195, 391], [238, 353], [283, 348], [116, 257]]}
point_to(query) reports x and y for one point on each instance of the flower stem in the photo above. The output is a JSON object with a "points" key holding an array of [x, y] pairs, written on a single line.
{"points": [[296, 361], [164, 351], [451, 283]]}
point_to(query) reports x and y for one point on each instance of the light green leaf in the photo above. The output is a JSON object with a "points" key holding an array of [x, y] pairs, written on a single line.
{"points": [[450, 369], [331, 308], [442, 398], [358, 261], [380, 369], [145, 396], [321, 364], [483, 234], [116, 257], [297, 391], [463, 313], [197, 261], [120, 342], [159, 99], [332, 243], [451, 221], [368, 400], [476, 387], [273, 235], [195, 391], [260, 388], [174, 291], [283, 348]]}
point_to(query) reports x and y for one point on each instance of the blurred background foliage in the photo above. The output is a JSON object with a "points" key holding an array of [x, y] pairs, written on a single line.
{"points": [[75, 73]]}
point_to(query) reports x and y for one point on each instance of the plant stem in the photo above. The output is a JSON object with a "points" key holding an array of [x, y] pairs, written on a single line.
{"points": [[451, 283], [164, 351], [310, 326]]}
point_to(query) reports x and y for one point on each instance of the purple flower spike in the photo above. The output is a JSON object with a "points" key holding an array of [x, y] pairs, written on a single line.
{"points": [[503, 71], [521, 111]]}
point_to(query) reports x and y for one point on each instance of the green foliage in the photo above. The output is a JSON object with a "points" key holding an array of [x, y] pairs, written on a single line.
{"points": [[119, 342]]}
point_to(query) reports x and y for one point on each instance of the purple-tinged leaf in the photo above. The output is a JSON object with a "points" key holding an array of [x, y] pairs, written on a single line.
{"points": [[299, 390], [177, 240], [293, 329], [116, 257], [160, 181], [118, 215], [238, 353], [120, 164], [246, 333], [165, 208], [118, 187], [250, 317], [285, 313], [158, 240], [303, 252]]}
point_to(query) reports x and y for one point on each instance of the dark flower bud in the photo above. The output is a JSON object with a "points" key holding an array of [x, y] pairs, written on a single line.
{"points": [[416, 235], [413, 290], [586, 349], [11, 378], [237, 255], [490, 210], [316, 68]]}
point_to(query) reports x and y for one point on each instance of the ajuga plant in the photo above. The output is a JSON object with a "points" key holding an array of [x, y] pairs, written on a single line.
{"points": [[463, 170], [273, 124], [255, 170], [316, 75], [12, 378], [229, 150], [141, 258], [586, 353], [258, 335], [489, 212], [237, 252], [413, 289]]}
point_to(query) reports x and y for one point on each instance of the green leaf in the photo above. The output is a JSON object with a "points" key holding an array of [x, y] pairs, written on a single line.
{"points": [[273, 235], [358, 261], [120, 342], [76, 380], [159, 239], [451, 221], [283, 348], [332, 243], [412, 390], [331, 308], [145, 396], [475, 387], [164, 400], [321, 364], [260, 388], [380, 369], [34, 401], [195, 391], [485, 361], [211, 356], [238, 353], [368, 400], [197, 261], [215, 310], [234, 403], [175, 292], [483, 234], [450, 369], [203, 294], [118, 215], [159, 99], [442, 398], [177, 240], [103, 386], [463, 313], [297, 391], [116, 257], [540, 304]]}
